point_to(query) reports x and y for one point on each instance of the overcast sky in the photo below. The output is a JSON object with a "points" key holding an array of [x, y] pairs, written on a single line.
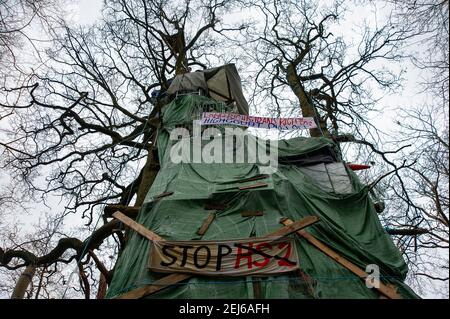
{"points": [[89, 11]]}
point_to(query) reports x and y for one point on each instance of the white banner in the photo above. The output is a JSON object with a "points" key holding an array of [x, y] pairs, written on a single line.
{"points": [[239, 257], [297, 123]]}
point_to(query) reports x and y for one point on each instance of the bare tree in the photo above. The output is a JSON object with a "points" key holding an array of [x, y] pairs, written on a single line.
{"points": [[331, 79], [430, 22], [427, 204], [419, 200], [17, 20], [88, 117], [336, 84]]}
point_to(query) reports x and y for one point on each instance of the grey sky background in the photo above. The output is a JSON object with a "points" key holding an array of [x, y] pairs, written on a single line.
{"points": [[89, 11], [85, 12]]}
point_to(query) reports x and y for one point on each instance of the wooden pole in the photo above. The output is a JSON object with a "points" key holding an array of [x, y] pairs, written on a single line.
{"points": [[155, 286], [142, 230], [386, 290]]}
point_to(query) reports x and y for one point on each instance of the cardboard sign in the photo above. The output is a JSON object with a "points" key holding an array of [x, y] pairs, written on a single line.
{"points": [[297, 123], [252, 256]]}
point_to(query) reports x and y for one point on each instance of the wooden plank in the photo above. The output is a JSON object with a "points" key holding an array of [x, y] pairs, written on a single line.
{"points": [[202, 230], [137, 227], [258, 177], [263, 176], [250, 179], [295, 226], [130, 211], [165, 194], [154, 287], [245, 180], [386, 290], [252, 213], [158, 284], [257, 185]]}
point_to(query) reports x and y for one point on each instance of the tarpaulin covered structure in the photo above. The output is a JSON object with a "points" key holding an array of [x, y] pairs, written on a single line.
{"points": [[321, 187], [221, 83]]}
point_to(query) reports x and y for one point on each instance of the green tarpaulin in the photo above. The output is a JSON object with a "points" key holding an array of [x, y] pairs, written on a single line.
{"points": [[348, 222]]}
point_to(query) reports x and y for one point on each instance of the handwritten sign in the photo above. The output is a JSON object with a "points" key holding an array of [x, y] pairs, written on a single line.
{"points": [[253, 256], [258, 122]]}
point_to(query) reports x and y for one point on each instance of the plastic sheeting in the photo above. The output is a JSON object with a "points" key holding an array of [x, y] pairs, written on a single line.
{"points": [[332, 177], [188, 82], [222, 84], [348, 224]]}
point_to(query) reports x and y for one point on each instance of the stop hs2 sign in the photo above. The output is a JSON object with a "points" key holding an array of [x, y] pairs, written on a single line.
{"points": [[241, 257]]}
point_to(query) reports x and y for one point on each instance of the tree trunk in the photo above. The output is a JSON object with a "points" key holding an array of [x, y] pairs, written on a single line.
{"points": [[152, 166], [102, 285], [305, 104], [148, 176], [23, 282], [181, 63]]}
